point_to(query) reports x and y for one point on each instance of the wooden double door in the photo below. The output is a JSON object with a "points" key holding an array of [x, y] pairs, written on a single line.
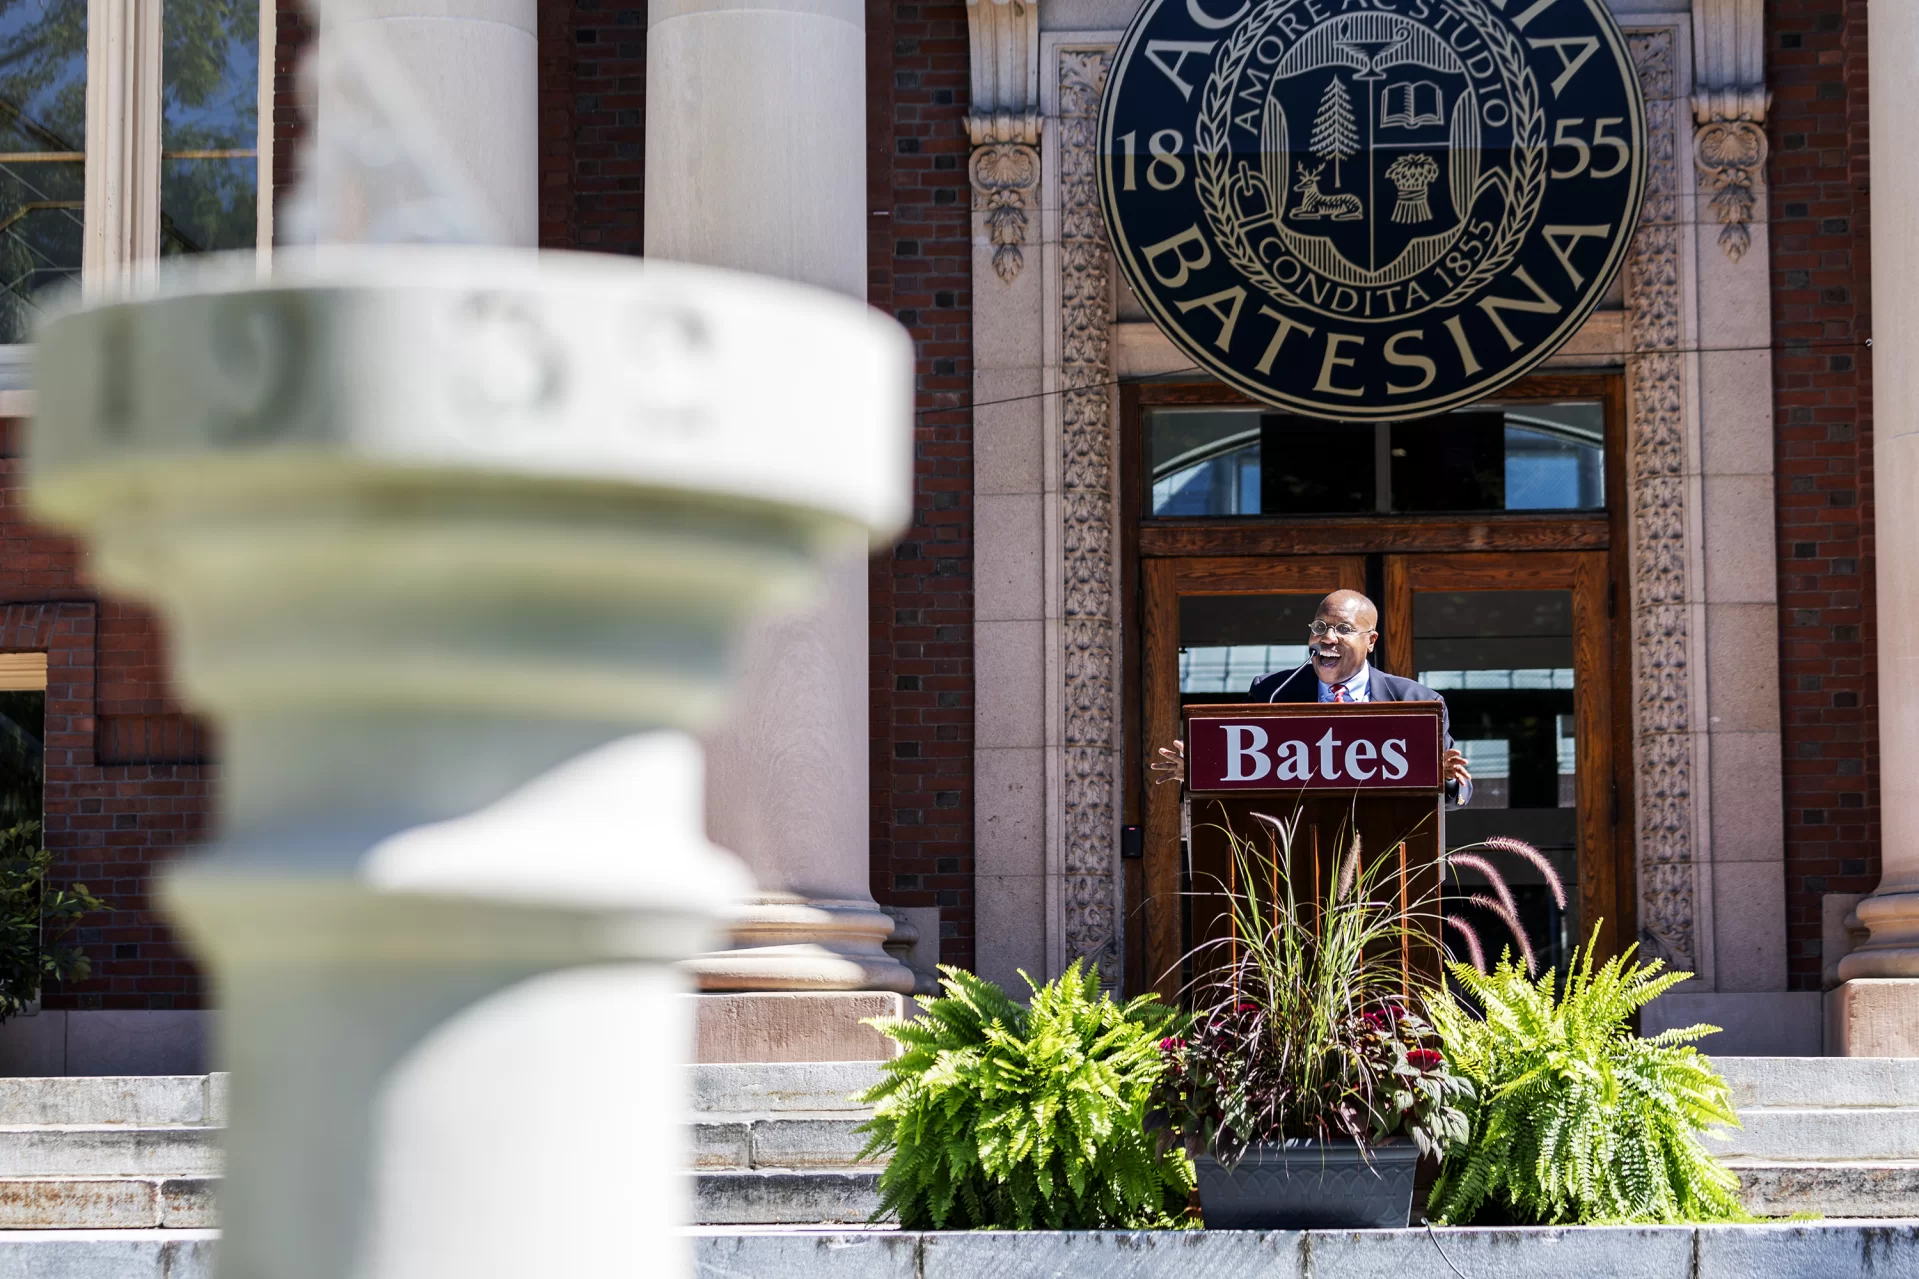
{"points": [[1521, 646]]}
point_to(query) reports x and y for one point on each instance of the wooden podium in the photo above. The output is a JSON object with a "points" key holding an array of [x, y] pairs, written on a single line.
{"points": [[1374, 767]]}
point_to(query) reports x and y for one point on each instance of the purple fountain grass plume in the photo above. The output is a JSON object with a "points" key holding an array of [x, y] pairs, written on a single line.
{"points": [[1348, 871], [1512, 925], [1283, 830], [1474, 950], [1491, 872], [1520, 848]]}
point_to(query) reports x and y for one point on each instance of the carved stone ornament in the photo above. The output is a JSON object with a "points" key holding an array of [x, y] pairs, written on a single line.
{"points": [[1731, 156], [1729, 107], [1656, 494], [1088, 519], [1004, 124], [1005, 177]]}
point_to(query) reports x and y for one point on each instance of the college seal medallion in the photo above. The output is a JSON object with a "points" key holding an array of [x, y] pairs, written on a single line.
{"points": [[1364, 209]]}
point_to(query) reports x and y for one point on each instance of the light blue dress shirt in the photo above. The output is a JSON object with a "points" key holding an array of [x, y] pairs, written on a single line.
{"points": [[1358, 688]]}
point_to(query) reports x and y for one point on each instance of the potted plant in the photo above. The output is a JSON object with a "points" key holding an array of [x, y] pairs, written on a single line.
{"points": [[1309, 1082]]}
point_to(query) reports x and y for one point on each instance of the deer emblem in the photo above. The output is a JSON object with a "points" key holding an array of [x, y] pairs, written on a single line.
{"points": [[1313, 204]]}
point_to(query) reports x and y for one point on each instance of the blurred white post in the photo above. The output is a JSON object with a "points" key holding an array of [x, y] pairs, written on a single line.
{"points": [[756, 160], [434, 531], [456, 544]]}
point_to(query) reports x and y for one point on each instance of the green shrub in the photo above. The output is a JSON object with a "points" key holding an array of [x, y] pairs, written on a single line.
{"points": [[1576, 1118], [35, 920], [1018, 1118]]}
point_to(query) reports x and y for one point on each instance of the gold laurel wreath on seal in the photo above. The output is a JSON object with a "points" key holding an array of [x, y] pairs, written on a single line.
{"points": [[1524, 189]]}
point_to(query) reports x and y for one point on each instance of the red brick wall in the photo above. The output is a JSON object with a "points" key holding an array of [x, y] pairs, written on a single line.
{"points": [[592, 126], [922, 628], [292, 32], [125, 788], [1816, 53]]}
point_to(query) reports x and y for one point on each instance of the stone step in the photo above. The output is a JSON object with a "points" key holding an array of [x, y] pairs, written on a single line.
{"points": [[773, 1087], [107, 1203], [793, 1139], [137, 1100], [1836, 1189], [109, 1150], [1815, 1134], [1821, 1082], [108, 1254], [783, 1196]]}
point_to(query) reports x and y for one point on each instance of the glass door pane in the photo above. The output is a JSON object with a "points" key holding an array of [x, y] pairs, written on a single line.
{"points": [[1504, 662], [1228, 641]]}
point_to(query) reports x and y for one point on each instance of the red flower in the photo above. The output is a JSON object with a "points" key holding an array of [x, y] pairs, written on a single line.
{"points": [[1425, 1059], [1171, 1044]]}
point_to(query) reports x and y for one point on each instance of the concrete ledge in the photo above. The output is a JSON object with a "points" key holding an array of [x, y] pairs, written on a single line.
{"points": [[1826, 1250], [794, 1026]]}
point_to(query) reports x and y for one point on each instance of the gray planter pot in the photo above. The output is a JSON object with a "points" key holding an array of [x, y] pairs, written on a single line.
{"points": [[1309, 1185]]}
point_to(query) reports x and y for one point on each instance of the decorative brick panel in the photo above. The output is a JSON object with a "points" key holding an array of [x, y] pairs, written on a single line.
{"points": [[1821, 276]]}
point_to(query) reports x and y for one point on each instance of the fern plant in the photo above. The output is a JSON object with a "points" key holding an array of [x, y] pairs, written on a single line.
{"points": [[1577, 1119], [1018, 1118]]}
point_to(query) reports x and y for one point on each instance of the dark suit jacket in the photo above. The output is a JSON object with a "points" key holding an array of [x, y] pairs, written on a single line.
{"points": [[1303, 686]]}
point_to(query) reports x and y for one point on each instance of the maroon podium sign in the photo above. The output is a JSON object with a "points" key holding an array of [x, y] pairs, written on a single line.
{"points": [[1374, 746], [1370, 770]]}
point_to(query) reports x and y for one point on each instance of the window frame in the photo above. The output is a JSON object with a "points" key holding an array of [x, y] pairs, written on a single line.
{"points": [[119, 244]]}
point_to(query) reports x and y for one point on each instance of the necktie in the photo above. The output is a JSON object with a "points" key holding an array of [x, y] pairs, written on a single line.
{"points": [[1340, 694]]}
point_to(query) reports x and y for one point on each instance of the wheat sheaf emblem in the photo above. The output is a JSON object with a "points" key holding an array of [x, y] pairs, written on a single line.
{"points": [[1522, 186]]}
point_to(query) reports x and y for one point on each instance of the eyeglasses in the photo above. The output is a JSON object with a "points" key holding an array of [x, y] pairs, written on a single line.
{"points": [[1319, 630]]}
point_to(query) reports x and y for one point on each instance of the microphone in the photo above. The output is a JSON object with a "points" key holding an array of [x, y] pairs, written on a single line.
{"points": [[1289, 674]]}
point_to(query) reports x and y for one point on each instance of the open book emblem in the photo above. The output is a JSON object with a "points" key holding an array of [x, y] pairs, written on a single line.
{"points": [[1411, 104]]}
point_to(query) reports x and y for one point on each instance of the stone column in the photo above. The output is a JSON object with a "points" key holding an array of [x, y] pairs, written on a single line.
{"points": [[756, 160], [121, 241], [472, 70], [1875, 1012]]}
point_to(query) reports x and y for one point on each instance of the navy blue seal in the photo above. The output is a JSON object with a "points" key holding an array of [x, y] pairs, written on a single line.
{"points": [[1368, 209]]}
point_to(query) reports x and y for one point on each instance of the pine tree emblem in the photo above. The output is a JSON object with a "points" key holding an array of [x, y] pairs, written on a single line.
{"points": [[1335, 136]]}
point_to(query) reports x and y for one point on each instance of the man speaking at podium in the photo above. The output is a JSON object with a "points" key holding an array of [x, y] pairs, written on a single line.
{"points": [[1337, 669]]}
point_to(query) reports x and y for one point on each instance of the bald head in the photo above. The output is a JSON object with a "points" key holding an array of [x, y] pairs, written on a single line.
{"points": [[1350, 607], [1346, 628]]}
